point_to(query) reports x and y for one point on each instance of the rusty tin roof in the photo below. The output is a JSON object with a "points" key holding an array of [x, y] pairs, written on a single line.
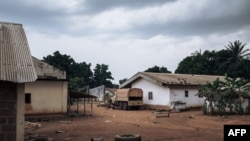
{"points": [[172, 79]]}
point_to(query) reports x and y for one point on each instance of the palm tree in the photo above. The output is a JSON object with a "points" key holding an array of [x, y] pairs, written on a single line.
{"points": [[237, 52]]}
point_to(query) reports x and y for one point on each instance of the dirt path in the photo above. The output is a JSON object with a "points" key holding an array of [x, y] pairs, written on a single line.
{"points": [[106, 123]]}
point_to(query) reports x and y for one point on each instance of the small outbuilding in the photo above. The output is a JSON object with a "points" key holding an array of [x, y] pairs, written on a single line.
{"points": [[49, 93]]}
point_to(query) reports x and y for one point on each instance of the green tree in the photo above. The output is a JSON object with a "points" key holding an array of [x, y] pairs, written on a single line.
{"points": [[244, 69], [76, 83], [185, 66], [237, 51], [78, 74], [102, 76], [236, 55], [83, 71], [197, 63], [235, 89], [222, 94], [158, 69], [233, 61], [221, 66], [122, 80], [116, 86], [210, 91], [60, 61]]}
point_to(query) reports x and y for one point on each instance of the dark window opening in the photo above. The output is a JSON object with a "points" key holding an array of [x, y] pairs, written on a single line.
{"points": [[135, 98], [150, 95], [27, 98], [186, 93]]}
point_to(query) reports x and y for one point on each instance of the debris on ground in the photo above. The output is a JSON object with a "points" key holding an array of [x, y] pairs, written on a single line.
{"points": [[28, 124], [59, 131], [65, 121], [37, 137]]}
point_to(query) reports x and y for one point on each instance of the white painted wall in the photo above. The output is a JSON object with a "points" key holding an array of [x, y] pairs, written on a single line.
{"points": [[165, 96], [245, 103], [191, 101], [160, 94], [47, 97]]}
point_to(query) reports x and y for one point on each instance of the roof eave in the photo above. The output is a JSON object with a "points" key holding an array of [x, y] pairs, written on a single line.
{"points": [[137, 76]]}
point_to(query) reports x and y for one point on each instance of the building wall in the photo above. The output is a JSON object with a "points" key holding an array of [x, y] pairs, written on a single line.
{"points": [[20, 112], [246, 103], [160, 94], [191, 101], [165, 96], [11, 111], [47, 97], [98, 92]]}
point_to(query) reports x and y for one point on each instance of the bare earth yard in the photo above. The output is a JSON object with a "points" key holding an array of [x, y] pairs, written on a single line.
{"points": [[106, 123]]}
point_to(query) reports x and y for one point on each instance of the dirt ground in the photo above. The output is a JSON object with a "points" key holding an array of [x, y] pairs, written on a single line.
{"points": [[106, 123]]}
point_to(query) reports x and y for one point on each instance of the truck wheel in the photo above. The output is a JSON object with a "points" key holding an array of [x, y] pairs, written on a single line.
{"points": [[128, 137], [137, 107], [112, 106], [124, 106]]}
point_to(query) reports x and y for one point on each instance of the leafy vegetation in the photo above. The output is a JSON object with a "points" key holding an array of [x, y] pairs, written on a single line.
{"points": [[225, 97], [158, 69], [233, 61], [80, 74]]}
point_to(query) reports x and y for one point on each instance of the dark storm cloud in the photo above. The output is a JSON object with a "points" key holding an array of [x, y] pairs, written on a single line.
{"points": [[58, 19], [218, 16], [103, 5], [201, 27], [36, 16]]}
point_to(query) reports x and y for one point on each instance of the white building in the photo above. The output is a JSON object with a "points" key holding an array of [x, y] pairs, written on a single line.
{"points": [[167, 90]]}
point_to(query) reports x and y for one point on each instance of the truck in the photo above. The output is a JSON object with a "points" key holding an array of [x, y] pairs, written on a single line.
{"points": [[127, 98]]}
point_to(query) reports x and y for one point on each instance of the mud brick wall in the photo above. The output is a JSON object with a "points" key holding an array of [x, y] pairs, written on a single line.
{"points": [[8, 100]]}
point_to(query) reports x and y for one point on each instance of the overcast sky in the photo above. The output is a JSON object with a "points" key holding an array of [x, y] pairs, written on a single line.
{"points": [[129, 35]]}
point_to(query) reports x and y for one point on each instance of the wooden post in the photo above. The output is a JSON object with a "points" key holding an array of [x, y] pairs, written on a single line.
{"points": [[84, 106], [77, 105], [91, 106], [69, 105]]}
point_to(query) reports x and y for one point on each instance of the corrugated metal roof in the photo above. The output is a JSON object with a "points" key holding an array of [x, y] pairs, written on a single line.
{"points": [[15, 58], [172, 79], [46, 71]]}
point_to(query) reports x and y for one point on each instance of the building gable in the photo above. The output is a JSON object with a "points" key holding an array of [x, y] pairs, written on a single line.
{"points": [[46, 71]]}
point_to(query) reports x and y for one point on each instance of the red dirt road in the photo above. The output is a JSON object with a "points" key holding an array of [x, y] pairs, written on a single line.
{"points": [[106, 123]]}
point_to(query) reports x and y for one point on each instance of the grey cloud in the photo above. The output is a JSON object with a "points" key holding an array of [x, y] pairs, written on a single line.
{"points": [[199, 27], [222, 19], [34, 16], [96, 6], [214, 17]]}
